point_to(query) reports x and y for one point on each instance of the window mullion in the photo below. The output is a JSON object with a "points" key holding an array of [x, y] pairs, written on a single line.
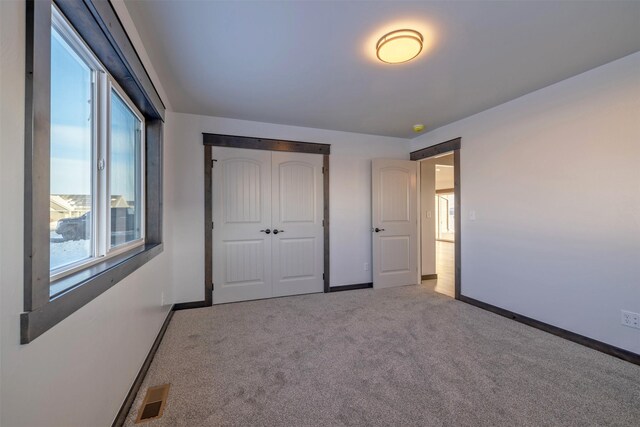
{"points": [[95, 155], [142, 164]]}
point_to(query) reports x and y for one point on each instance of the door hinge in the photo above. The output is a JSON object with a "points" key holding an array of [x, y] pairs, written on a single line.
{"points": [[212, 225], [213, 162], [322, 276]]}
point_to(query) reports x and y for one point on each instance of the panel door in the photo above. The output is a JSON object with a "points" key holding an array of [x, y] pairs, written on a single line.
{"points": [[297, 207], [241, 214], [394, 222]]}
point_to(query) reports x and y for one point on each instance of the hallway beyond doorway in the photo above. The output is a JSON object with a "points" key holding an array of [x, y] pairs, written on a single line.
{"points": [[439, 204], [445, 268]]}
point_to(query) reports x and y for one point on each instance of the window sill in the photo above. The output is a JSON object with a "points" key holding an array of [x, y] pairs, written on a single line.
{"points": [[81, 288], [71, 281]]}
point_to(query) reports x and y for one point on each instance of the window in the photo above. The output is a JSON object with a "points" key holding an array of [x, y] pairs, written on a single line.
{"points": [[93, 160], [72, 153], [125, 160], [96, 177]]}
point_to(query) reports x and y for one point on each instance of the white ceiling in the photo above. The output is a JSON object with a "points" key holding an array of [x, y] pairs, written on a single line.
{"points": [[312, 63]]}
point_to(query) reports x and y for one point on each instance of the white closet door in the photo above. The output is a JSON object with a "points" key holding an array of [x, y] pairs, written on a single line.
{"points": [[241, 209], [297, 206], [395, 226]]}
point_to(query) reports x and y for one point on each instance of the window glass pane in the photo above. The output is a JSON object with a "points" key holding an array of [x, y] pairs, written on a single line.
{"points": [[71, 196], [125, 173]]}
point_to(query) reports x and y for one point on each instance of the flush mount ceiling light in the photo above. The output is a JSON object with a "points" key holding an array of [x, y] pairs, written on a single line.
{"points": [[399, 46]]}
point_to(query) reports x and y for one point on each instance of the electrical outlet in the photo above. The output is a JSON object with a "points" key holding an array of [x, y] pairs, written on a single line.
{"points": [[366, 266], [630, 319]]}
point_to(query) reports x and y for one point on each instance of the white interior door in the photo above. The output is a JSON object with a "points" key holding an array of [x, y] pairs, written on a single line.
{"points": [[268, 231], [297, 207], [394, 222], [241, 210]]}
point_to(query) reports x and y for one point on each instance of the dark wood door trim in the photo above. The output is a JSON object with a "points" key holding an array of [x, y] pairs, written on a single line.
{"points": [[213, 140], [435, 150], [208, 226], [458, 220], [455, 145], [208, 238], [326, 222], [265, 144]]}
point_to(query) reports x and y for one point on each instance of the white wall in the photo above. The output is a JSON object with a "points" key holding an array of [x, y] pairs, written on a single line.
{"points": [[428, 216], [444, 178], [350, 200], [532, 169], [540, 172], [127, 22], [79, 372], [444, 175]]}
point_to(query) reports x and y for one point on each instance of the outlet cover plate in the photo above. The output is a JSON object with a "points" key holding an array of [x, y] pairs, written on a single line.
{"points": [[630, 319]]}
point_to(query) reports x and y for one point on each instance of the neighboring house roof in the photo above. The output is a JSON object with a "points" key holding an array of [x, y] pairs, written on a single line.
{"points": [[82, 202], [119, 202], [78, 201], [59, 204]]}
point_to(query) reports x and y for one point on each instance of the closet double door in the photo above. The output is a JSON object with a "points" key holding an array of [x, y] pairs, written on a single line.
{"points": [[268, 231]]}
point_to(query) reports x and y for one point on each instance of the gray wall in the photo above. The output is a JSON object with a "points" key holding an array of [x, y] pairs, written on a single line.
{"points": [[538, 171], [445, 178], [350, 199], [79, 372], [428, 216], [554, 180]]}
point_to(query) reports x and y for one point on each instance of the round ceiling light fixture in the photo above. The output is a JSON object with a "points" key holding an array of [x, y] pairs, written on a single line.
{"points": [[399, 46]]}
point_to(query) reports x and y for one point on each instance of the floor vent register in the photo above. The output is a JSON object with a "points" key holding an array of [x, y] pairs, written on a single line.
{"points": [[153, 404]]}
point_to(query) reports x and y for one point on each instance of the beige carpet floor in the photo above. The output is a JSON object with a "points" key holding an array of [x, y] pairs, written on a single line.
{"points": [[396, 357]]}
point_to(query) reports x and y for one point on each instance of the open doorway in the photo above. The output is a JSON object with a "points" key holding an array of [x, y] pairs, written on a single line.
{"points": [[438, 223], [440, 263]]}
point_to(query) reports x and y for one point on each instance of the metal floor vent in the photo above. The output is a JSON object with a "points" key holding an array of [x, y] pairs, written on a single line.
{"points": [[153, 404]]}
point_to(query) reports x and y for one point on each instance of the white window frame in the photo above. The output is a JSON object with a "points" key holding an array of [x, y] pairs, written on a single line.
{"points": [[112, 86], [103, 84]]}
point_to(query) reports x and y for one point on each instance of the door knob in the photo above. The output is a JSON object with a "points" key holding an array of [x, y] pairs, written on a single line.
{"points": [[267, 231], [276, 231], [377, 230]]}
